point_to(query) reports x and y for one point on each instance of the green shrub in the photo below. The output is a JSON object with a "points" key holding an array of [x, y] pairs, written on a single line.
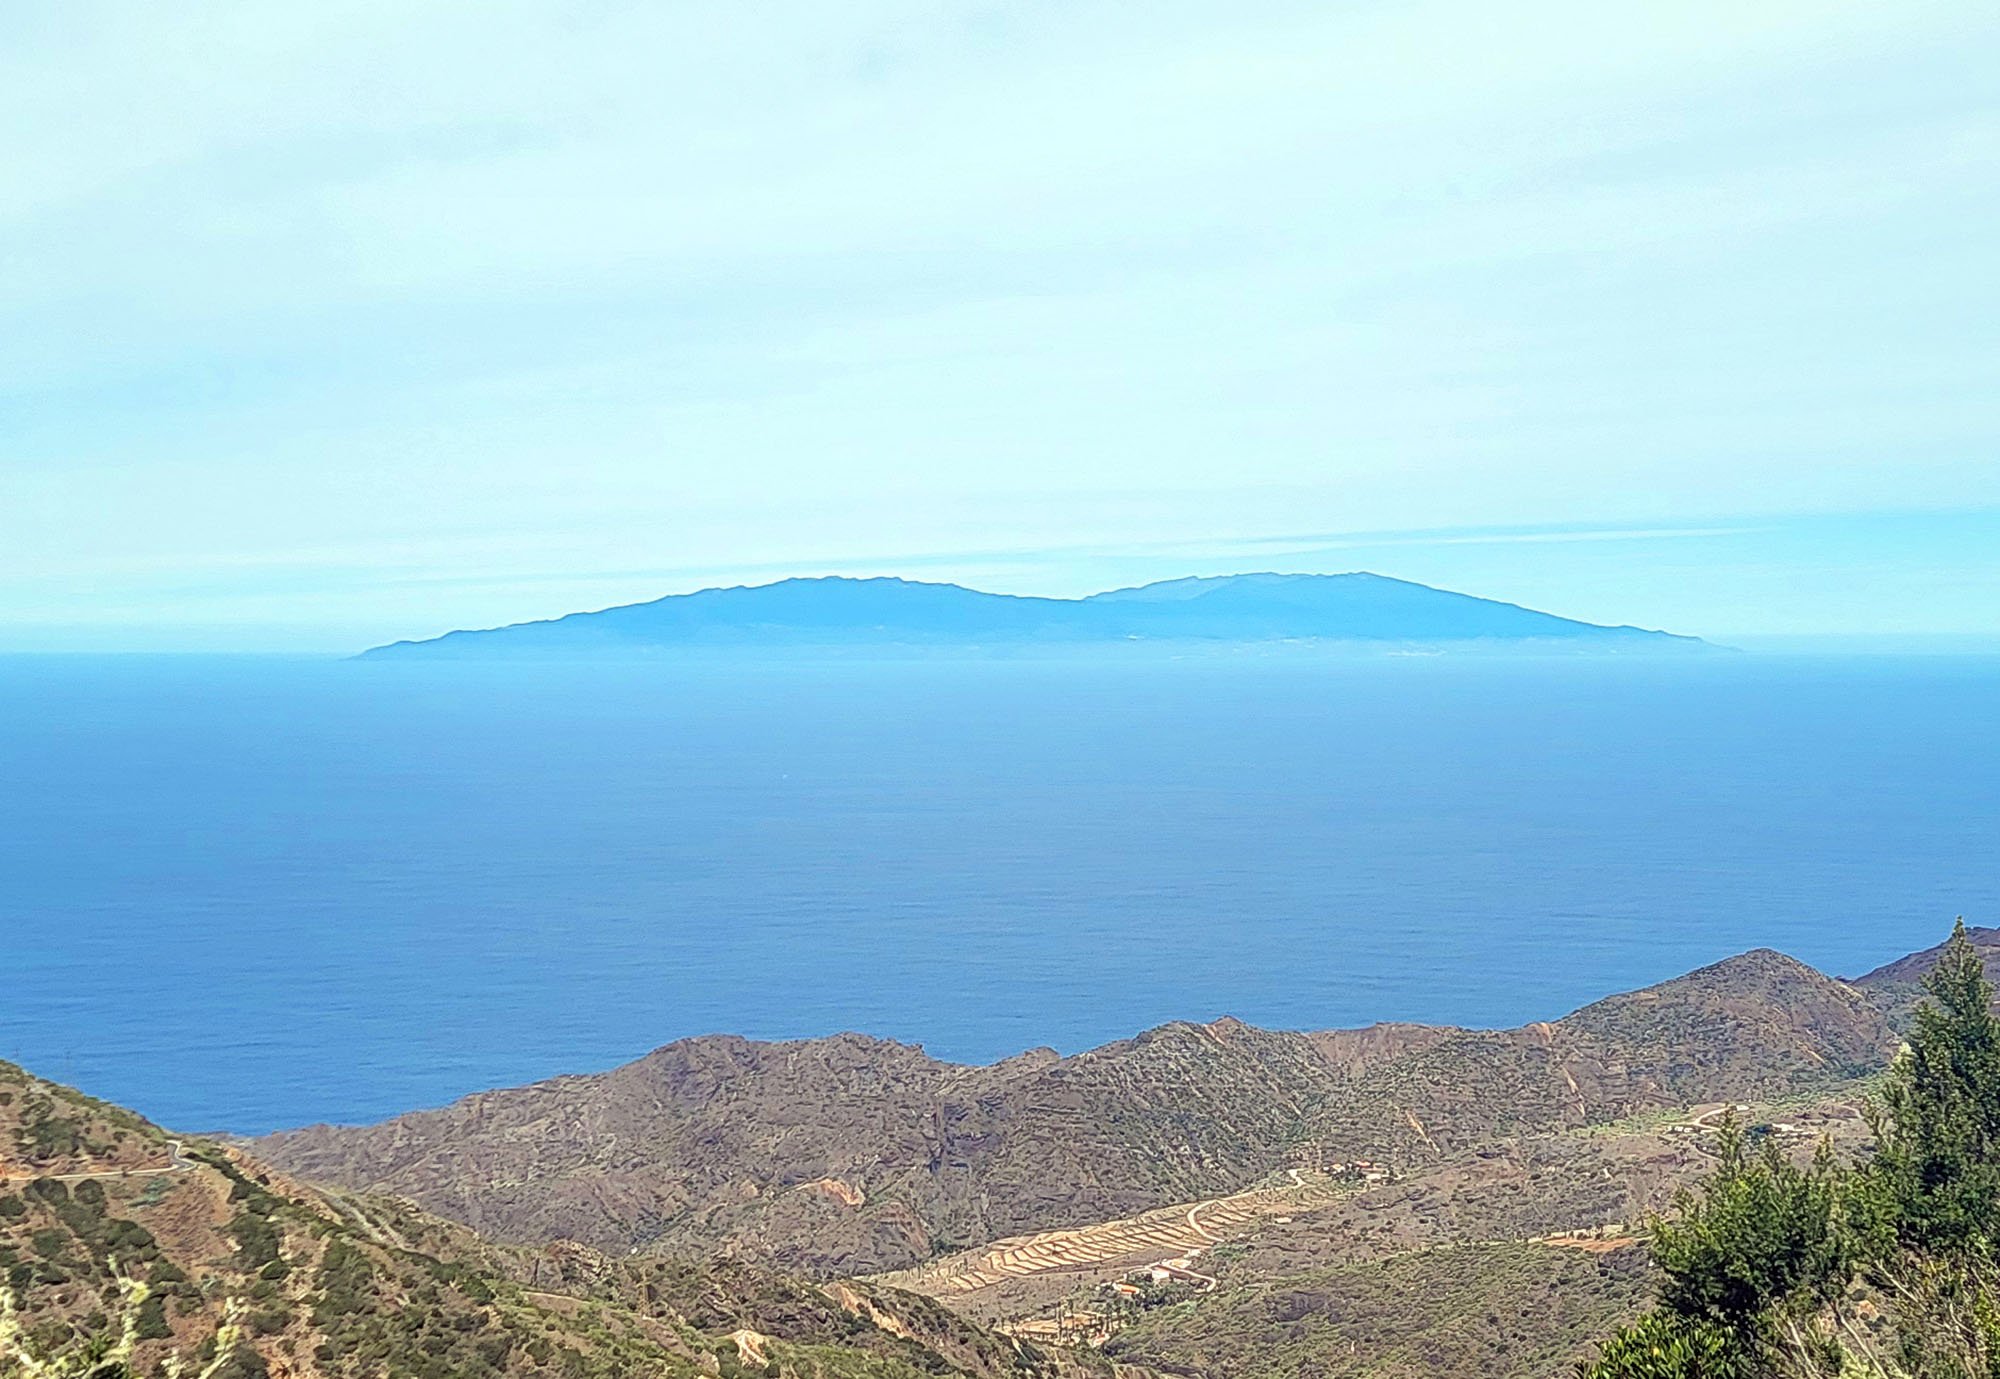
{"points": [[1661, 1345], [152, 1321], [256, 1239]]}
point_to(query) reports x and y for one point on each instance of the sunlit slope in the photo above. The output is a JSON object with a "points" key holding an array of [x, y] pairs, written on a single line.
{"points": [[114, 1233], [854, 1155]]}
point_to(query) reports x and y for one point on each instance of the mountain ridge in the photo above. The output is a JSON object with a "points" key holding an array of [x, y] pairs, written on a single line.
{"points": [[1897, 986], [833, 612], [855, 1155], [208, 1252], [1370, 1202]]}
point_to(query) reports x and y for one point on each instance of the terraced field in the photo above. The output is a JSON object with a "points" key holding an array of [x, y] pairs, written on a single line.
{"points": [[1167, 1234]]}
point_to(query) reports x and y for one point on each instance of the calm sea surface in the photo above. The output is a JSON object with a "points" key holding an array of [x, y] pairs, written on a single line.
{"points": [[242, 893]]}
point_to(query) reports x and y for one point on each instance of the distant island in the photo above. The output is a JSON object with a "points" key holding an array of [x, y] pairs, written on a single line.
{"points": [[838, 614]]}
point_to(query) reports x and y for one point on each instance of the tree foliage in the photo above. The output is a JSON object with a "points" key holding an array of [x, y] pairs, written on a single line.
{"points": [[1765, 1239], [1665, 1345], [1769, 1271], [1937, 1171]]}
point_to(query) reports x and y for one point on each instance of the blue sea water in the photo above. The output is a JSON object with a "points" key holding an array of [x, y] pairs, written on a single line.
{"points": [[247, 893]]}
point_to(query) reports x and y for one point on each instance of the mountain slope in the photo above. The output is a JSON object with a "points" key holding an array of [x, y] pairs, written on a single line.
{"points": [[837, 613], [1895, 988], [850, 1155], [1753, 1027], [208, 1254], [1501, 1311]]}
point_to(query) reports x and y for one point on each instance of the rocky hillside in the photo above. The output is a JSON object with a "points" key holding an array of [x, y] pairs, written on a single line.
{"points": [[851, 1155], [1755, 1027], [118, 1242], [1896, 987], [1490, 1310]]}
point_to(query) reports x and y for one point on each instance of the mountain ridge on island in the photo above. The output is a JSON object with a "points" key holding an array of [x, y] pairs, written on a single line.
{"points": [[838, 613], [1200, 1201], [849, 1153]]}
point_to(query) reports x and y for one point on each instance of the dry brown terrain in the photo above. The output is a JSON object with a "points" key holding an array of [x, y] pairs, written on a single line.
{"points": [[722, 1141], [1206, 1200], [1171, 1234], [1478, 1234], [103, 1216]]}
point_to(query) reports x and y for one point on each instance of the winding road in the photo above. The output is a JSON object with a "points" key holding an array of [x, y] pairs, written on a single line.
{"points": [[176, 1163]]}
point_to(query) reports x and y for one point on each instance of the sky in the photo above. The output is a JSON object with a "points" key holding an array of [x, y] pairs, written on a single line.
{"points": [[325, 325]]}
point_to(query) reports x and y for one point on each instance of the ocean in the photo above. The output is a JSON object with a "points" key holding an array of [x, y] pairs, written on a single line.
{"points": [[245, 893]]}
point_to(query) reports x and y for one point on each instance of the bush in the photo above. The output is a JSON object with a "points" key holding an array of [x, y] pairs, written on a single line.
{"points": [[256, 1240], [152, 1320]]}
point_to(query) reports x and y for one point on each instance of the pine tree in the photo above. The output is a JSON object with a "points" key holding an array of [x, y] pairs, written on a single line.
{"points": [[1938, 1165], [1763, 1243], [1930, 1198], [1756, 1267]]}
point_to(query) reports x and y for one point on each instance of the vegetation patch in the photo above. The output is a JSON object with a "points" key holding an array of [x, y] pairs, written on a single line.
{"points": [[1888, 1267]]}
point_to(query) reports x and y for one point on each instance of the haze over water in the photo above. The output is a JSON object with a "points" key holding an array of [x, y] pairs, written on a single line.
{"points": [[247, 893]]}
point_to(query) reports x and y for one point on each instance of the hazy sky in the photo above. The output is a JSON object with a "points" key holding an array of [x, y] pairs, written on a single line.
{"points": [[330, 323]]}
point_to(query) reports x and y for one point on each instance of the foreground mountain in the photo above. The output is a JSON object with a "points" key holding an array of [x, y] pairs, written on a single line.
{"points": [[852, 1155], [838, 613], [1208, 1201], [122, 1246]]}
